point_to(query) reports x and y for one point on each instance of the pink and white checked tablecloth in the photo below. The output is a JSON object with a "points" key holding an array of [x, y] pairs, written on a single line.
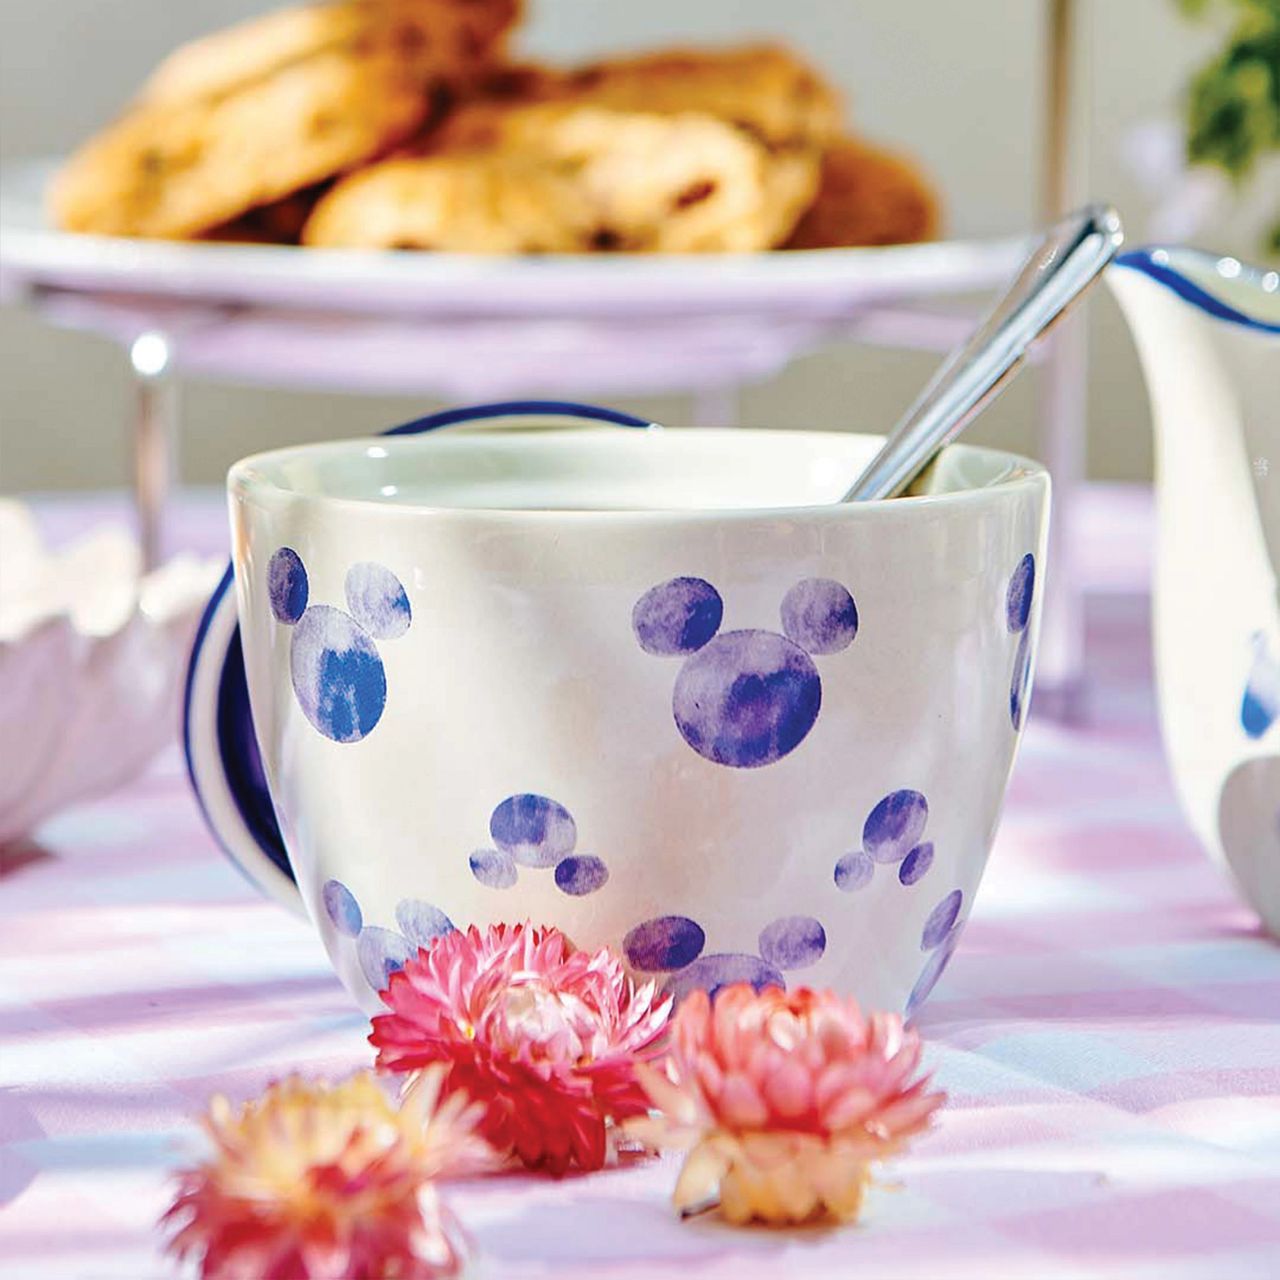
{"points": [[1109, 1033]]}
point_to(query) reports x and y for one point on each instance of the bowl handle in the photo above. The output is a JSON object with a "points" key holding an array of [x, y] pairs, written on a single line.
{"points": [[218, 736]]}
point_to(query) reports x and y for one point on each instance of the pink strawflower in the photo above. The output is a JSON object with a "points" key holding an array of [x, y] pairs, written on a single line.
{"points": [[317, 1181], [548, 1037], [784, 1100]]}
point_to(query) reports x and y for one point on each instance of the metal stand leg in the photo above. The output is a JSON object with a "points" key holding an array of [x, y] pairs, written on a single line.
{"points": [[154, 436], [1063, 389]]}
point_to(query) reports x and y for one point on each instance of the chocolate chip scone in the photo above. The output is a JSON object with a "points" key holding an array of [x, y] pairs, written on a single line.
{"points": [[430, 35], [460, 203], [278, 222], [665, 183], [763, 88], [248, 116], [178, 169], [867, 196], [567, 178]]}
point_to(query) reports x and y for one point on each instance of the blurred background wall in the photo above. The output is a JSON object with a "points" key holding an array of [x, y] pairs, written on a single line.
{"points": [[958, 84]]}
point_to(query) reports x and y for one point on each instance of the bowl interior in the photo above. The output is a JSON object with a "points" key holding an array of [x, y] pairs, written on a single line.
{"points": [[605, 470]]}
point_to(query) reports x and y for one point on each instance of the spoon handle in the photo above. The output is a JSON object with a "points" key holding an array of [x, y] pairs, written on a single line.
{"points": [[1066, 262]]}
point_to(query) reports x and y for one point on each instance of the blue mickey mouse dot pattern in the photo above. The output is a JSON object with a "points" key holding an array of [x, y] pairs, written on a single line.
{"points": [[578, 876], [380, 952], [941, 920], [534, 830], [744, 699], [287, 586], [673, 944], [421, 922], [854, 871], [794, 942], [747, 699], [710, 973], [1022, 587], [1260, 706], [930, 974], [377, 601], [820, 616], [664, 943], [342, 908], [494, 868], [940, 937], [336, 670], [891, 835], [895, 825], [537, 832], [1018, 601], [916, 864], [337, 674], [1021, 681], [679, 616]]}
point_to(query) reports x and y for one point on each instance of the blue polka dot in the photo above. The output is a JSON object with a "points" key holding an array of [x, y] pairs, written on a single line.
{"points": [[666, 942], [342, 908], [377, 601], [1022, 588], [678, 616], [1260, 706], [337, 674], [929, 975], [381, 952], [494, 868], [711, 973], [794, 942], [820, 616], [854, 871], [1257, 715], [1021, 683], [941, 920], [421, 922], [578, 876], [895, 826], [287, 585], [747, 698], [534, 830], [914, 866]]}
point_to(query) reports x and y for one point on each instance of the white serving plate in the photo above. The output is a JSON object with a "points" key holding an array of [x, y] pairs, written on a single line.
{"points": [[816, 284]]}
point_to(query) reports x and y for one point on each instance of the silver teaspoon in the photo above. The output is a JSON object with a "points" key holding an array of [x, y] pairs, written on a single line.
{"points": [[1065, 263]]}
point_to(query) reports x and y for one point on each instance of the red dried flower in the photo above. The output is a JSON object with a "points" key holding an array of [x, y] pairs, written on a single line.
{"points": [[328, 1182], [546, 1036], [785, 1099]]}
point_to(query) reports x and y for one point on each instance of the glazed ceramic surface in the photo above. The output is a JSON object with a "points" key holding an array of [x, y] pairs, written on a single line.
{"points": [[1208, 332], [641, 685]]}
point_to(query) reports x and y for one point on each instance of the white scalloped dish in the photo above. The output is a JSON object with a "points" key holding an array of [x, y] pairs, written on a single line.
{"points": [[92, 660]]}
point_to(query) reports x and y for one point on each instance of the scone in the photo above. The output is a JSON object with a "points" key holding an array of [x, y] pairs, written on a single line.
{"points": [[429, 35], [763, 88], [565, 178], [637, 168], [278, 222], [177, 170], [246, 117], [460, 203], [867, 196]]}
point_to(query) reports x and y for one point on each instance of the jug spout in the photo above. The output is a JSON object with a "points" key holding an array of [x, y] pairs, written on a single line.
{"points": [[1207, 330]]}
